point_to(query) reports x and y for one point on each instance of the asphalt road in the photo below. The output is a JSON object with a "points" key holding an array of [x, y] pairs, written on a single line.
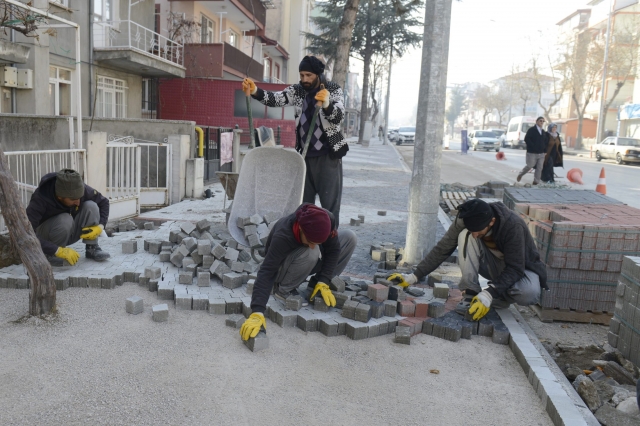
{"points": [[477, 167]]}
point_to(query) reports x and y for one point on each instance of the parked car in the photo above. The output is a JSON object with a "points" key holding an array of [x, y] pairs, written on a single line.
{"points": [[484, 139], [406, 134], [393, 134], [516, 130], [620, 149], [500, 134]]}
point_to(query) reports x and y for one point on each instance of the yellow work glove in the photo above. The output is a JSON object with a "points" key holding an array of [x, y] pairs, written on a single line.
{"points": [[326, 294], [252, 326], [91, 232], [323, 96], [249, 86], [403, 280], [68, 254], [480, 305]]}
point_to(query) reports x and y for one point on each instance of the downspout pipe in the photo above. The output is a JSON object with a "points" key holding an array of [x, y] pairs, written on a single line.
{"points": [[200, 133]]}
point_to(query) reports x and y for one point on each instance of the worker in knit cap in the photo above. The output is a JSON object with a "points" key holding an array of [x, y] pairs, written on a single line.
{"points": [[63, 210], [304, 243], [493, 242]]}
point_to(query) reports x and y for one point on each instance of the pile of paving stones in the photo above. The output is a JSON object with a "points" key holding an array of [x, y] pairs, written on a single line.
{"points": [[607, 383], [387, 255], [624, 328]]}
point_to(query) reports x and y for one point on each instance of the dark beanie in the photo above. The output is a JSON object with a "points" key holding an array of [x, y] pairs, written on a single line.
{"points": [[311, 64], [476, 214], [314, 222], [69, 184]]}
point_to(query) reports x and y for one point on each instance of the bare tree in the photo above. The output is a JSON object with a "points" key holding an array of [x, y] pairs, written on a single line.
{"points": [[22, 20], [501, 102], [483, 100], [341, 67], [181, 29], [380, 65], [456, 104], [541, 81]]}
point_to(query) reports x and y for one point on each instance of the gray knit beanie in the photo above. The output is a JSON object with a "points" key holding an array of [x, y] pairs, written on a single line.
{"points": [[69, 184]]}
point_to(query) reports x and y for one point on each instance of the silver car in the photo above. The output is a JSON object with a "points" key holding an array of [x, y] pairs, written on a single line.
{"points": [[484, 139], [406, 135]]}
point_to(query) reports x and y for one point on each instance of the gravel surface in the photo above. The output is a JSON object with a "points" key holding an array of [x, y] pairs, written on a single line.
{"points": [[96, 364]]}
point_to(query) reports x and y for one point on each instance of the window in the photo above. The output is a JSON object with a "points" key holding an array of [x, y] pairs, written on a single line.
{"points": [[267, 69], [207, 30], [149, 98], [59, 91], [61, 2], [103, 10], [276, 71], [234, 38], [111, 99]]}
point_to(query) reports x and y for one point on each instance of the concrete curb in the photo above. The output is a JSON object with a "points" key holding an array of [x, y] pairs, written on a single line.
{"points": [[561, 401], [404, 163]]}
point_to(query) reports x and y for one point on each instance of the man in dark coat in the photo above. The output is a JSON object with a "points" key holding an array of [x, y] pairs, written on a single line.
{"points": [[494, 242], [63, 210], [327, 145], [536, 150], [304, 243]]}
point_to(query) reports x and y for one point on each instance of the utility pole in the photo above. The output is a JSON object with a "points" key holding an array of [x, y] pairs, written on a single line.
{"points": [[386, 103], [425, 182], [602, 118]]}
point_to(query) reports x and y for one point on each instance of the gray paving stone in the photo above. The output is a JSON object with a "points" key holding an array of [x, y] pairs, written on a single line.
{"points": [[319, 305], [294, 303], [148, 226], [184, 301], [160, 312], [152, 272], [349, 309], [203, 225], [328, 327], [154, 246], [181, 236], [390, 308], [436, 309], [94, 282], [196, 257], [231, 254], [250, 230], [134, 305], [61, 283], [204, 247], [403, 335], [258, 343], [485, 327], [356, 330], [337, 284], [131, 277], [219, 269], [500, 334], [165, 256], [286, 318], [237, 266], [396, 293], [78, 282], [235, 320], [204, 279], [187, 227], [153, 285], [233, 305], [218, 251], [254, 241], [441, 290], [246, 307], [207, 261], [165, 291], [363, 312], [200, 302], [185, 278], [307, 321], [341, 298], [173, 236], [392, 324], [232, 280], [217, 306], [249, 288], [129, 247]]}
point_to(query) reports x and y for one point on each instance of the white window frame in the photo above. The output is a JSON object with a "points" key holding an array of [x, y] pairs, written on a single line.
{"points": [[56, 82], [207, 30], [64, 3], [234, 39], [109, 85], [100, 17]]}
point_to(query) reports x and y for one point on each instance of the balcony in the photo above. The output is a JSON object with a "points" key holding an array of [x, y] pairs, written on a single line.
{"points": [[130, 47], [13, 53], [240, 12], [217, 59]]}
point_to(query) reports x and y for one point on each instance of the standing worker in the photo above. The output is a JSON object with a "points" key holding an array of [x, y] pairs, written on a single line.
{"points": [[494, 242], [327, 145], [63, 210], [536, 149]]}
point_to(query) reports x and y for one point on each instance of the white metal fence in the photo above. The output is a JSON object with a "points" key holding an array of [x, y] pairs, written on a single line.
{"points": [[28, 167], [123, 179], [133, 35], [155, 174]]}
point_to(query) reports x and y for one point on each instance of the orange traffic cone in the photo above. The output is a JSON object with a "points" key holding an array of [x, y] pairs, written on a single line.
{"points": [[500, 156], [601, 187], [575, 176]]}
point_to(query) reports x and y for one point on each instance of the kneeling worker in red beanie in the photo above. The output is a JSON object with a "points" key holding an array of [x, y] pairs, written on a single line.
{"points": [[304, 243]]}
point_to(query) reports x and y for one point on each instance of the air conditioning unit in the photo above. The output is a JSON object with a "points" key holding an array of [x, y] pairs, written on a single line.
{"points": [[25, 79], [9, 76]]}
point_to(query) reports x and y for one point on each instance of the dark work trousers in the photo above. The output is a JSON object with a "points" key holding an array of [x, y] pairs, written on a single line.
{"points": [[63, 230], [324, 178], [304, 261]]}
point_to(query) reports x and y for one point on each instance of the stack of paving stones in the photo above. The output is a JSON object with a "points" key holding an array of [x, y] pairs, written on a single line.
{"points": [[492, 189], [583, 246], [513, 196], [624, 328], [386, 254], [256, 228]]}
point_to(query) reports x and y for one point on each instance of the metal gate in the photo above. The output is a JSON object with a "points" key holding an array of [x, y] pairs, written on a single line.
{"points": [[212, 153], [123, 179]]}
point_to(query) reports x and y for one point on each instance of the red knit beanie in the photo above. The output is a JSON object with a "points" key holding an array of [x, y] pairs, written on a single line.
{"points": [[314, 222]]}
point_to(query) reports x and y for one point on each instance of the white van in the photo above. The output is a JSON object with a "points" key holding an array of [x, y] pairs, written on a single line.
{"points": [[517, 129]]}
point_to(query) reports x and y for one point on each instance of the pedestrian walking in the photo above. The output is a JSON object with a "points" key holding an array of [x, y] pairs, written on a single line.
{"points": [[553, 155], [535, 140], [327, 145]]}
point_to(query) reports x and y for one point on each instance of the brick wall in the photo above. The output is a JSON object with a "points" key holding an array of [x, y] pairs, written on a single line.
{"points": [[211, 103]]}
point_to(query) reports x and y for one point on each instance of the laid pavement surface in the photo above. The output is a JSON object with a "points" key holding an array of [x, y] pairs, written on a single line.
{"points": [[94, 363]]}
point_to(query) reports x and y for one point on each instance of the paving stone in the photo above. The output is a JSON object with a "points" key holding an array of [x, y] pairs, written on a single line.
{"points": [[235, 320], [396, 293], [148, 226], [152, 285], [286, 318], [355, 222], [200, 302], [165, 256], [407, 308], [403, 335], [129, 247], [249, 288], [363, 312], [254, 241], [244, 256], [422, 308], [469, 328], [61, 283], [207, 261], [436, 309], [307, 321], [184, 301], [328, 327], [217, 306], [231, 254], [356, 330], [232, 280], [500, 334], [382, 212], [152, 272], [349, 309], [218, 251], [173, 236], [414, 291], [360, 299], [258, 343], [319, 305], [187, 227], [237, 266], [341, 298], [250, 230], [219, 269], [155, 246], [203, 225], [185, 278], [427, 326], [233, 305], [485, 327], [204, 279], [190, 244], [377, 308], [390, 308], [453, 332], [134, 305], [441, 290], [181, 236], [165, 291], [293, 303], [160, 312], [191, 268], [378, 292]]}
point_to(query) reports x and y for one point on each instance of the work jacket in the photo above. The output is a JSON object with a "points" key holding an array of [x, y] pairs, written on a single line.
{"points": [[44, 205], [280, 244], [330, 118], [512, 238]]}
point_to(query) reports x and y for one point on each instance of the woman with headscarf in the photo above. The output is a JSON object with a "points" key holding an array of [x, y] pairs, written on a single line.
{"points": [[553, 156]]}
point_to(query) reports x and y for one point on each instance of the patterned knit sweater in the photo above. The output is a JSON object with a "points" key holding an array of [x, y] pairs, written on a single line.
{"points": [[331, 118]]}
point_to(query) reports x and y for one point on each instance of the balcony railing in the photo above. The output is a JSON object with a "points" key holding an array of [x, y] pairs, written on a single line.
{"points": [[129, 34]]}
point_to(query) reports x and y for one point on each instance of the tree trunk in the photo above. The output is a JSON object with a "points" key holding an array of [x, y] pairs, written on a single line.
{"points": [[580, 114], [42, 296], [422, 221], [341, 67], [364, 104]]}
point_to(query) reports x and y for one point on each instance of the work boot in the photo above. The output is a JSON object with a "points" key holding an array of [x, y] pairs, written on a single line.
{"points": [[93, 251], [519, 178], [55, 261]]}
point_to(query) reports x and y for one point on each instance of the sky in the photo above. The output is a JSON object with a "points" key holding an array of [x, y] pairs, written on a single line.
{"points": [[488, 37]]}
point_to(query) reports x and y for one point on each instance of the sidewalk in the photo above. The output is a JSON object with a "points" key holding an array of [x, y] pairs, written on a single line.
{"points": [[106, 366]]}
